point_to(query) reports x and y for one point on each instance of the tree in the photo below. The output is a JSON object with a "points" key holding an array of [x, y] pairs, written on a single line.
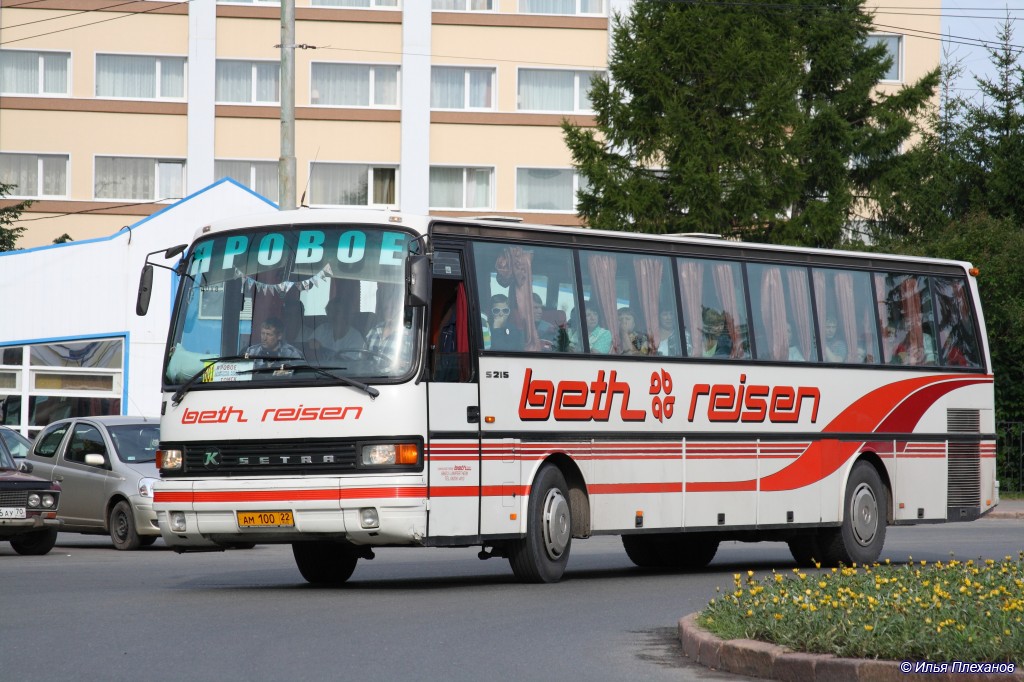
{"points": [[8, 216], [758, 118]]}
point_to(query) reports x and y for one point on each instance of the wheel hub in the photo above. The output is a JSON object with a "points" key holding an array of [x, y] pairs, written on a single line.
{"points": [[557, 530], [864, 512]]}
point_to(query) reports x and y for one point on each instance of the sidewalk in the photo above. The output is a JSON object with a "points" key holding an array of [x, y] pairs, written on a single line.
{"points": [[1007, 509]]}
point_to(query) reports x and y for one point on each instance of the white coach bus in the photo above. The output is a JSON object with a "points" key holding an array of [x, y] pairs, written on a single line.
{"points": [[343, 380]]}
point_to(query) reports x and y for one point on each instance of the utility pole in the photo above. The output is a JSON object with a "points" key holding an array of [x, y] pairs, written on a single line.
{"points": [[286, 164]]}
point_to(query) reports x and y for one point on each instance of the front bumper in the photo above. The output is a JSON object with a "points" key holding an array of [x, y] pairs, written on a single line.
{"points": [[13, 527], [322, 509]]}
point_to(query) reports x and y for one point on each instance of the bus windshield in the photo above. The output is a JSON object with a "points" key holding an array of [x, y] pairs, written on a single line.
{"points": [[283, 304]]}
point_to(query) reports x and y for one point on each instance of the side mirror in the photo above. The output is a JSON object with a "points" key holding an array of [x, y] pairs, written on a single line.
{"points": [[26, 467], [145, 290], [417, 281], [95, 460]]}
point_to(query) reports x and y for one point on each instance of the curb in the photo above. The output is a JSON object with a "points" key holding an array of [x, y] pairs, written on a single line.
{"points": [[1004, 515], [770, 661]]}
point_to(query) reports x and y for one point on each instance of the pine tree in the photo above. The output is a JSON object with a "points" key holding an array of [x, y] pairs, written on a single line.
{"points": [[8, 216], [759, 119]]}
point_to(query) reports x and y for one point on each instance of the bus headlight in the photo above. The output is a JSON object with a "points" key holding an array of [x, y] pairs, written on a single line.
{"points": [[390, 454], [177, 521], [169, 459]]}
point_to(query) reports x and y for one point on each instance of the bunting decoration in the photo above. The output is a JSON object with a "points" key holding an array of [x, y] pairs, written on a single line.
{"points": [[249, 283]]}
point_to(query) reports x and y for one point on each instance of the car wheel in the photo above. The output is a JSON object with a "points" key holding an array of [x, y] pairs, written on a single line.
{"points": [[122, 527], [35, 543]]}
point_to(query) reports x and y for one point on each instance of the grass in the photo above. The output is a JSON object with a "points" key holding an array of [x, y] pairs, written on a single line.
{"points": [[945, 611]]}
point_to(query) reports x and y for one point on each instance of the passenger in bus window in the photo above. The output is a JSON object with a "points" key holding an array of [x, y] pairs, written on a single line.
{"points": [[633, 342], [391, 338], [599, 337], [794, 353], [546, 332], [272, 345], [335, 334], [834, 347], [717, 343], [668, 333], [504, 335]]}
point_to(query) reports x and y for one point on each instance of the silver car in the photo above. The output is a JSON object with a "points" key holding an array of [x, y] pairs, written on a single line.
{"points": [[106, 469]]}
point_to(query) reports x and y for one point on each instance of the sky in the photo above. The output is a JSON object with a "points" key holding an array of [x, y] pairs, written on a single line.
{"points": [[966, 23]]}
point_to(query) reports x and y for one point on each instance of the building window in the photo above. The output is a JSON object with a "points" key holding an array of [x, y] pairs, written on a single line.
{"points": [[893, 45], [246, 82], [59, 380], [249, 2], [354, 85], [35, 175], [561, 6], [25, 72], [259, 176], [140, 77], [463, 5], [136, 179], [460, 188], [547, 189], [453, 87], [357, 3], [555, 90], [352, 184]]}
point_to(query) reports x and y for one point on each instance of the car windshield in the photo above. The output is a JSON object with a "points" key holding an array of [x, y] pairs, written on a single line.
{"points": [[5, 461], [273, 306], [135, 442], [16, 443]]}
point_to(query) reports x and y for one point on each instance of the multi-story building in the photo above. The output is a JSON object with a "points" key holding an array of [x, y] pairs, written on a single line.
{"points": [[109, 110]]}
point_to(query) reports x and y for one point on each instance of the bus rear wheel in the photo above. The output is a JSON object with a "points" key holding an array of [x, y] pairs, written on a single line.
{"points": [[805, 550], [325, 563], [542, 555], [673, 551], [860, 538]]}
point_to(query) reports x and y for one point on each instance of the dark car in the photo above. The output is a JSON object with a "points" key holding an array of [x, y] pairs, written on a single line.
{"points": [[16, 445], [28, 509]]}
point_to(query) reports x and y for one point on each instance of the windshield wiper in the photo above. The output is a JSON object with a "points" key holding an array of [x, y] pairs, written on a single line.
{"points": [[180, 393], [323, 371]]}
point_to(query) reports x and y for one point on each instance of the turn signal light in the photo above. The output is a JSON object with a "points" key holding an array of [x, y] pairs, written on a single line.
{"points": [[406, 453]]}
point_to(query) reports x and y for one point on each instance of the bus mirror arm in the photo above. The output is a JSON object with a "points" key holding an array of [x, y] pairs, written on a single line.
{"points": [[146, 278], [417, 281]]}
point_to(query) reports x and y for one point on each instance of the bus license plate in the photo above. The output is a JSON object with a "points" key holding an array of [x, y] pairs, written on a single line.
{"points": [[265, 519], [12, 513]]}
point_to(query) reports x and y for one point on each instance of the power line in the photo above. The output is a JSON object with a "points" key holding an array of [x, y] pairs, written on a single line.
{"points": [[93, 23]]}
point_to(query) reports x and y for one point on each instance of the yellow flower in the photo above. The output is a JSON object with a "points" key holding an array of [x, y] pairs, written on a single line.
{"points": [[869, 628]]}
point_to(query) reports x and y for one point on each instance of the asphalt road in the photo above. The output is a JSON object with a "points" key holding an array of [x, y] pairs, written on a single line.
{"points": [[88, 612]]}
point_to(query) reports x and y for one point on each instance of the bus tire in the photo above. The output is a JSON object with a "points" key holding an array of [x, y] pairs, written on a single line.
{"points": [[688, 552], [542, 555], [325, 563], [642, 551], [805, 550], [860, 538]]}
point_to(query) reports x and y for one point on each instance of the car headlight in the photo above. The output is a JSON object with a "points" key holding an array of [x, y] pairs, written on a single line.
{"points": [[146, 487], [169, 459], [49, 500], [34, 500], [390, 454]]}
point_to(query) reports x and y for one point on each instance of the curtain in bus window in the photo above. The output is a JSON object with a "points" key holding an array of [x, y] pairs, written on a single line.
{"points": [[691, 285], [847, 313], [800, 305], [648, 281], [602, 276], [773, 316], [725, 286], [514, 267], [888, 330], [912, 311]]}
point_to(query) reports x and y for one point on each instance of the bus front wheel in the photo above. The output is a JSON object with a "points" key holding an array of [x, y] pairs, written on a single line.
{"points": [[860, 537], [541, 556], [325, 563]]}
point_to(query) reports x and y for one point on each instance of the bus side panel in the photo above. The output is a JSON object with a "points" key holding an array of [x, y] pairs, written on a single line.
{"points": [[502, 490], [797, 505], [636, 484], [721, 483], [454, 476], [919, 488]]}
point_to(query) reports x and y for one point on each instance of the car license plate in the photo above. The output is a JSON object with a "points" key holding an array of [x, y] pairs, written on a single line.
{"points": [[12, 513], [265, 519]]}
